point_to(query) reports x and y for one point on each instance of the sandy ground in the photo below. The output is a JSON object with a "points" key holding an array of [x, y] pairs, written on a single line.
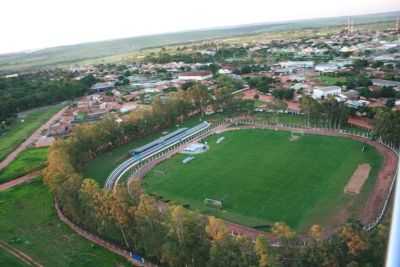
{"points": [[358, 179]]}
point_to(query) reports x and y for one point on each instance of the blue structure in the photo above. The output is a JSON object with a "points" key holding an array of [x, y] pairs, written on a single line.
{"points": [[156, 142]]}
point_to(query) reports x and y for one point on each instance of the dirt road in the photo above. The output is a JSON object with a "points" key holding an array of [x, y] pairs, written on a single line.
{"points": [[30, 140], [19, 180]]}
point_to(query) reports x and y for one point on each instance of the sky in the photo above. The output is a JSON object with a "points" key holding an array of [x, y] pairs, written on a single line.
{"points": [[34, 24]]}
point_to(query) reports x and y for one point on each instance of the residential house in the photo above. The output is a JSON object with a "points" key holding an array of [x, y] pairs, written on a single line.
{"points": [[323, 92]]}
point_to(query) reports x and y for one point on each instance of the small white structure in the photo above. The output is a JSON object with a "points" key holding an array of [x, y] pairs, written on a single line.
{"points": [[195, 76], [224, 71], [297, 64], [195, 148], [324, 92], [128, 107], [326, 68], [15, 75], [220, 139], [187, 160]]}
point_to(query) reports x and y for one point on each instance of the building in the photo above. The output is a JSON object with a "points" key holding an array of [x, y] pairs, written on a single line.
{"points": [[224, 71], [195, 76], [102, 87], [15, 75], [297, 64], [326, 68], [323, 92], [385, 83]]}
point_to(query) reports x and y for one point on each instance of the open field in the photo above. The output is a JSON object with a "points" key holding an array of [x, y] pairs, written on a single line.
{"points": [[104, 164], [263, 177], [7, 259], [29, 223], [329, 80], [21, 130], [28, 161]]}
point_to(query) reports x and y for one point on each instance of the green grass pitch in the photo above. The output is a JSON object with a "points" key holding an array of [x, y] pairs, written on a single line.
{"points": [[263, 177]]}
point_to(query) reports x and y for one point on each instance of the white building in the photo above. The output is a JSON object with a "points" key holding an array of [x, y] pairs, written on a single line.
{"points": [[297, 64], [195, 76], [385, 83], [224, 71], [326, 68], [323, 92]]}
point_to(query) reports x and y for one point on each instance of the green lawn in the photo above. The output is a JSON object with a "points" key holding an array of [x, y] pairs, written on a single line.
{"points": [[262, 177], [7, 259], [99, 168], [24, 127], [329, 80], [28, 222], [26, 162]]}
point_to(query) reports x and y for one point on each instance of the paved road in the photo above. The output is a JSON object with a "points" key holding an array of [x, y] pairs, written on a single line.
{"points": [[30, 140]]}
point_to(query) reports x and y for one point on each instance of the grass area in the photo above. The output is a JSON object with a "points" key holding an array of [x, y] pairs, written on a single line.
{"points": [[28, 161], [263, 177], [29, 223], [7, 259], [24, 127], [329, 80], [99, 168]]}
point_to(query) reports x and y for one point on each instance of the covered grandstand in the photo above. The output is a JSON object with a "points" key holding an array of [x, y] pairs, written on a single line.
{"points": [[142, 154]]}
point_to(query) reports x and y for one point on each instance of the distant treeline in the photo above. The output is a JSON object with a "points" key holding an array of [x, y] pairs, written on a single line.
{"points": [[27, 92]]}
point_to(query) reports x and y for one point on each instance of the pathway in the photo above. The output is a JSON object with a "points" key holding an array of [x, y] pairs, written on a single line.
{"points": [[97, 240], [19, 254], [30, 140], [20, 180]]}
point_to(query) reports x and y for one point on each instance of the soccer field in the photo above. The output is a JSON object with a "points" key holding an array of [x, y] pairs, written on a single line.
{"points": [[263, 177]]}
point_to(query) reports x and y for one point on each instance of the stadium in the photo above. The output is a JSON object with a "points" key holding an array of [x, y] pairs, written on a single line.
{"points": [[253, 174]]}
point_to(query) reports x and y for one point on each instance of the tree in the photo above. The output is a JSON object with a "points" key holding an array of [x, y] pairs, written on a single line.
{"points": [[354, 240], [316, 232], [261, 248], [277, 105], [311, 108], [387, 125], [288, 255], [200, 96], [150, 227], [216, 228], [233, 252], [336, 113], [187, 243], [287, 94]]}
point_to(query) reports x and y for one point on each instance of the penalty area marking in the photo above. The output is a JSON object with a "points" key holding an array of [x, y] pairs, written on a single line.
{"points": [[358, 179]]}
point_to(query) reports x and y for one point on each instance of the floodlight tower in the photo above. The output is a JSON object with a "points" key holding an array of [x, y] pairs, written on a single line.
{"points": [[348, 27]]}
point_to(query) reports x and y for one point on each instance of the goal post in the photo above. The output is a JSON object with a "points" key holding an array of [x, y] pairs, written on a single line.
{"points": [[213, 203], [295, 135]]}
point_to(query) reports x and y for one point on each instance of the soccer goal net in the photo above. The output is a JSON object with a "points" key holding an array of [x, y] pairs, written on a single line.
{"points": [[213, 203]]}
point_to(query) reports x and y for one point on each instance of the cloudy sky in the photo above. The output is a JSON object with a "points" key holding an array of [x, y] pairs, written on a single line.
{"points": [[28, 24]]}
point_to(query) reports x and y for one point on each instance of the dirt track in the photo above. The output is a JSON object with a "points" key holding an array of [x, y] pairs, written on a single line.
{"points": [[30, 140], [20, 180]]}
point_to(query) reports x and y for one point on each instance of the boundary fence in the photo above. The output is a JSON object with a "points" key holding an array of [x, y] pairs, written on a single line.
{"points": [[97, 240]]}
